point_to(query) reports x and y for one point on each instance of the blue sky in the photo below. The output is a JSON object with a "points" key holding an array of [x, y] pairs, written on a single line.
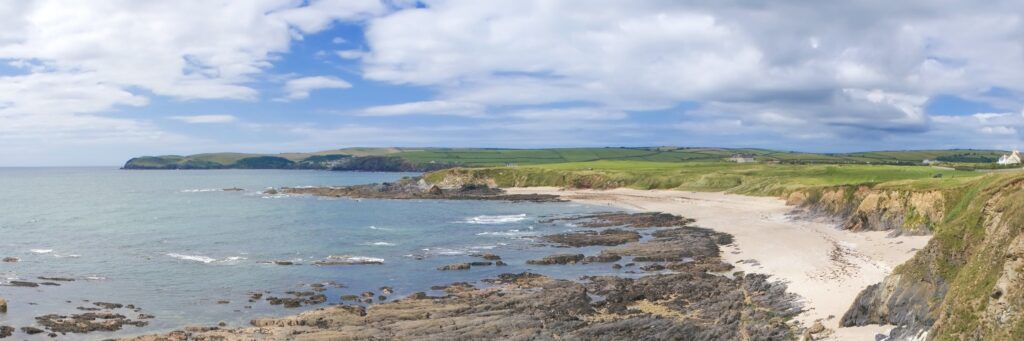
{"points": [[97, 83]]}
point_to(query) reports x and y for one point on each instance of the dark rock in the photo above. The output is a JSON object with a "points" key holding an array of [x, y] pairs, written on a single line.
{"points": [[414, 188], [349, 298], [31, 330], [386, 291], [602, 258], [558, 259], [106, 305], [23, 284], [57, 279], [456, 266], [490, 256], [6, 331], [11, 259], [609, 237], [500, 263], [481, 263]]}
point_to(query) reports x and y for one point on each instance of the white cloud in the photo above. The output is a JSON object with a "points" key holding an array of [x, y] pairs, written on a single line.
{"points": [[74, 61], [205, 119], [427, 107], [300, 88], [350, 54], [852, 70]]}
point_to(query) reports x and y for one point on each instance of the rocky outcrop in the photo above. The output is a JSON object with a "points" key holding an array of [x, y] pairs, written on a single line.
{"points": [[609, 237], [863, 208], [686, 306], [966, 283], [416, 188]]}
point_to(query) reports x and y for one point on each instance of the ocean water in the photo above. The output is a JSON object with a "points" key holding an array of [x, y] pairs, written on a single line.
{"points": [[175, 244]]}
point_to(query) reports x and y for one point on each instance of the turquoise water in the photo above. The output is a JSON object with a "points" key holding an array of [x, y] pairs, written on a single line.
{"points": [[174, 244]]}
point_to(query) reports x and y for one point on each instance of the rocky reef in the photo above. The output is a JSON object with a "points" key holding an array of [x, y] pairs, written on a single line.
{"points": [[416, 188], [683, 306]]}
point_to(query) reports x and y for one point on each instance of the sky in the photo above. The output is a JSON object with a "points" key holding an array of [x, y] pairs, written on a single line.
{"points": [[97, 82]]}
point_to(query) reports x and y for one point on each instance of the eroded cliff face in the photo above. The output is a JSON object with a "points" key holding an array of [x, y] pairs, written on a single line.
{"points": [[967, 283], [863, 208]]}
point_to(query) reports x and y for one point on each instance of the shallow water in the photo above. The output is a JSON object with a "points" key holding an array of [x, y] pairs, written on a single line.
{"points": [[174, 243]]}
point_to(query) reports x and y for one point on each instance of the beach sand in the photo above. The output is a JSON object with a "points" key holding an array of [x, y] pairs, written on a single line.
{"points": [[826, 266]]}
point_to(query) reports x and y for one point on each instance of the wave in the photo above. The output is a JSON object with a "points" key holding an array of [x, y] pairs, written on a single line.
{"points": [[349, 260], [194, 258], [443, 251], [380, 244], [201, 190], [495, 219], [41, 251], [513, 233]]}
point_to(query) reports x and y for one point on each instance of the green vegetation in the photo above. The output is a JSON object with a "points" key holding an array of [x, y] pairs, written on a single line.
{"points": [[756, 179]]}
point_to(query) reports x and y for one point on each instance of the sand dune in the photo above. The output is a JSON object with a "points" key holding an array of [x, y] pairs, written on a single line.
{"points": [[828, 267]]}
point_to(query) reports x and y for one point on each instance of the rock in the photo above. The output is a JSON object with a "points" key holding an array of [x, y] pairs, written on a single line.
{"points": [[298, 299], [481, 263], [349, 298], [616, 266], [500, 263], [223, 302], [3, 305], [11, 259], [270, 191], [87, 322], [609, 237], [367, 294], [412, 188], [31, 330], [57, 279], [283, 262], [558, 259], [490, 256], [233, 189], [106, 305], [434, 190], [23, 284], [634, 220], [456, 266], [816, 328], [684, 306], [386, 291], [602, 258], [6, 331]]}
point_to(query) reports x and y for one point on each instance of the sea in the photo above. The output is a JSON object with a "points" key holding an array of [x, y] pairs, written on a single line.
{"points": [[178, 246]]}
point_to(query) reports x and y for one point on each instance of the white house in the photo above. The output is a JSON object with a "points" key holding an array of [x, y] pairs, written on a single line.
{"points": [[742, 158], [1011, 159]]}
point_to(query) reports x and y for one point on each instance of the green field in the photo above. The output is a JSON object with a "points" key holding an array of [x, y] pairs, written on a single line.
{"points": [[759, 179]]}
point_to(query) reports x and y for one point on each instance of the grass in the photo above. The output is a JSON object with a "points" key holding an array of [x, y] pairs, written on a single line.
{"points": [[756, 179]]}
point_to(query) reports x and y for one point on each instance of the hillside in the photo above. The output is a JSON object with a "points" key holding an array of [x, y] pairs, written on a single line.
{"points": [[430, 158]]}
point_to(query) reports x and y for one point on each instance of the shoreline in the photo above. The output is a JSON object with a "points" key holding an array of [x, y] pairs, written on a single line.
{"points": [[824, 265]]}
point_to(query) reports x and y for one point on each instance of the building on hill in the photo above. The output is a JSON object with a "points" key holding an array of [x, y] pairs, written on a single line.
{"points": [[1011, 159], [742, 158]]}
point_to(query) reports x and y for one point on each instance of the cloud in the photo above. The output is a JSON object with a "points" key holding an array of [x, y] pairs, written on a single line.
{"points": [[67, 65], [427, 107], [350, 54], [205, 119], [300, 88], [852, 70]]}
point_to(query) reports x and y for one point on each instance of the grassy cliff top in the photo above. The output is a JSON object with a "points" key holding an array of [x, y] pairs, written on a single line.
{"points": [[756, 179]]}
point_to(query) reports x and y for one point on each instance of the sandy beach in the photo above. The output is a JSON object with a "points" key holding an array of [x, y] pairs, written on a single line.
{"points": [[826, 266]]}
